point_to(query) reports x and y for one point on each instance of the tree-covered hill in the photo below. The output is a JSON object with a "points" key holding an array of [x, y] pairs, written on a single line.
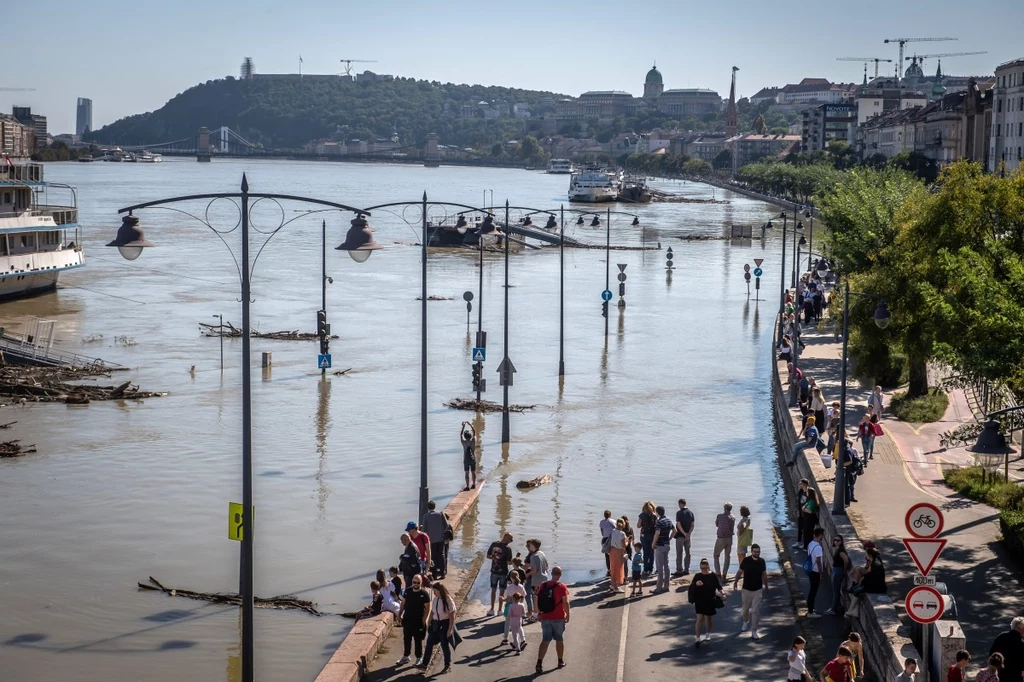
{"points": [[286, 112]]}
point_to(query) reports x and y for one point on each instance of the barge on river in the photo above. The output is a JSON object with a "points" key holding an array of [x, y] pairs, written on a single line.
{"points": [[36, 219]]}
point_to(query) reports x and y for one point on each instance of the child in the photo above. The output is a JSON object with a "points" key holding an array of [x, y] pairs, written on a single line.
{"points": [[515, 620], [375, 605], [797, 659], [638, 570], [396, 580], [840, 668], [515, 586]]}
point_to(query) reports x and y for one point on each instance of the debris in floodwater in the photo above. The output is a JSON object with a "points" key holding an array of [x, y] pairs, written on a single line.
{"points": [[287, 601], [230, 331], [13, 448], [534, 482], [51, 385], [484, 406]]}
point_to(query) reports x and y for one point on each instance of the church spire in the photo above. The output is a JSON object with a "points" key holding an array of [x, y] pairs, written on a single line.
{"points": [[730, 115]]}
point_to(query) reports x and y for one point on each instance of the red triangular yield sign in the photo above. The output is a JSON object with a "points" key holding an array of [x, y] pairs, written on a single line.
{"points": [[758, 261], [924, 552]]}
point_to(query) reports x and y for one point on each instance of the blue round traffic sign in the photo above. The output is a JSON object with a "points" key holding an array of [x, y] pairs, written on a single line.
{"points": [[758, 272], [606, 295]]}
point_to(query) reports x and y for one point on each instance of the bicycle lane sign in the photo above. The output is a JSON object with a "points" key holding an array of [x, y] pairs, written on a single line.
{"points": [[924, 520]]}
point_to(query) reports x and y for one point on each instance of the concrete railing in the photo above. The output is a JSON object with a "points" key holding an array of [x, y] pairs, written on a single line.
{"points": [[886, 641]]}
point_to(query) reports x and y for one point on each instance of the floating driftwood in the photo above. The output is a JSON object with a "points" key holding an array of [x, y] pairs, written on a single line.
{"points": [[230, 331], [434, 297], [484, 406], [13, 448], [340, 372], [687, 200], [613, 247], [51, 385], [701, 237], [7, 425], [534, 482], [283, 602]]}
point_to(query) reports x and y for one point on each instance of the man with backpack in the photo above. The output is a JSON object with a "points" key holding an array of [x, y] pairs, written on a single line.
{"points": [[553, 604]]}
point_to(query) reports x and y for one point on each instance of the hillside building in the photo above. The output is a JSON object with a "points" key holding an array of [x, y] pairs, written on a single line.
{"points": [[1006, 146], [827, 122]]}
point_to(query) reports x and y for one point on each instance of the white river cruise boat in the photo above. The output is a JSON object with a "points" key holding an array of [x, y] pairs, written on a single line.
{"points": [[595, 185], [37, 218], [560, 167]]}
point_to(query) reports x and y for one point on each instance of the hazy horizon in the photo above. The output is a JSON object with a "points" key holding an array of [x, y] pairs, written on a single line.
{"points": [[143, 57]]}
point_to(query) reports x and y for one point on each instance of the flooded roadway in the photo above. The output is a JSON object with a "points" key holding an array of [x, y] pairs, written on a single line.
{"points": [[674, 403]]}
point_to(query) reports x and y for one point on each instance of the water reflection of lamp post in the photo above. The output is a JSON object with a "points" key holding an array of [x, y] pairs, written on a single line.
{"points": [[220, 330], [881, 317], [130, 242]]}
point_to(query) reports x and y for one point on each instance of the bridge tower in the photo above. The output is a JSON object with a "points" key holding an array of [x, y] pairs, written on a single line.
{"points": [[203, 145], [431, 155]]}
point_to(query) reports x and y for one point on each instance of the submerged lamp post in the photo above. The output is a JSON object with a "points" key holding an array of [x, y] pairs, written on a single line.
{"points": [[881, 317], [130, 242]]}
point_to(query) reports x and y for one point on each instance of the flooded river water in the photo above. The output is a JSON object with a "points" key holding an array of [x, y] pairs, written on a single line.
{"points": [[675, 402]]}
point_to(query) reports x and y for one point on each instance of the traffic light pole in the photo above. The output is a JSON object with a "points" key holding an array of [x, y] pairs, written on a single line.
{"points": [[607, 263], [480, 310]]}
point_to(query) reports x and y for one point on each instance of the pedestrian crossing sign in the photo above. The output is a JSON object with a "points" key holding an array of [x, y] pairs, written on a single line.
{"points": [[323, 361], [479, 354]]}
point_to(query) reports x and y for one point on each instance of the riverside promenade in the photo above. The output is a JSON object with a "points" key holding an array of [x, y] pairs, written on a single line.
{"points": [[906, 469]]}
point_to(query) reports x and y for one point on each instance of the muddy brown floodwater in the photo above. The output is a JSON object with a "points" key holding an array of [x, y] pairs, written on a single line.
{"points": [[675, 402]]}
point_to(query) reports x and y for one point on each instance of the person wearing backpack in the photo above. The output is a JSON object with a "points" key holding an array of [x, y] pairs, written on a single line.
{"points": [[409, 561], [553, 603]]}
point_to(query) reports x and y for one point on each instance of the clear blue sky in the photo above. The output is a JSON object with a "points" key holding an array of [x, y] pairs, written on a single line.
{"points": [[132, 56]]}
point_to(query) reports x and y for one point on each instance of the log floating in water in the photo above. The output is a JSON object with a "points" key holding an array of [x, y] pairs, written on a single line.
{"points": [[13, 448], [534, 482], [484, 406], [230, 331], [287, 601]]}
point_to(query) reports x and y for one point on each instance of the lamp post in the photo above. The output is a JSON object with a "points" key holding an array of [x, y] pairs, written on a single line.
{"points": [[506, 364], [810, 234], [561, 291], [220, 331], [782, 276], [130, 242], [797, 227], [881, 317]]}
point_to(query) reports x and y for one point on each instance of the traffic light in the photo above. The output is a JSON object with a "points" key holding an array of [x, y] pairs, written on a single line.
{"points": [[604, 308], [477, 373], [323, 330]]}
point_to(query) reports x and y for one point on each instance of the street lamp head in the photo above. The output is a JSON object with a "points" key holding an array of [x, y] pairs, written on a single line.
{"points": [[359, 241], [769, 226], [130, 239], [800, 225], [580, 221], [461, 225], [552, 223], [783, 215], [527, 222], [596, 222], [881, 316], [807, 214], [990, 440], [636, 221], [488, 226], [822, 267], [803, 241]]}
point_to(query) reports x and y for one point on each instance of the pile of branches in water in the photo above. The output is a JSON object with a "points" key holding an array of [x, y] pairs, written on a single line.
{"points": [[230, 331], [671, 199], [435, 297], [701, 237], [51, 385], [13, 448], [580, 245], [283, 602], [484, 406]]}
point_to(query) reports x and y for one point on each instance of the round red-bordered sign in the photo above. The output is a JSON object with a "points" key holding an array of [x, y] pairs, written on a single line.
{"points": [[924, 520], [924, 604]]}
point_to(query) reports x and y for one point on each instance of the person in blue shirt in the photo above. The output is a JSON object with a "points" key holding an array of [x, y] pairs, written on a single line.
{"points": [[638, 570], [810, 439]]}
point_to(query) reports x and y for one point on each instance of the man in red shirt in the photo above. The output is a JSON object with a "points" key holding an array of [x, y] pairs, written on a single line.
{"points": [[553, 603], [840, 668], [422, 542], [956, 671]]}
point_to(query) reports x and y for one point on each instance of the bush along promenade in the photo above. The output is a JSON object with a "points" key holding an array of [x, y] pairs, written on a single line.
{"points": [[1007, 496]]}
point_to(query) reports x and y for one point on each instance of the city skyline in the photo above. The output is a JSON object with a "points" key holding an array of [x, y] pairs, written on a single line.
{"points": [[539, 47]]}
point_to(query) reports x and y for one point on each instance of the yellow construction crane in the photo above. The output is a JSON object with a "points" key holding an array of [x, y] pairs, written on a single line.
{"points": [[903, 41], [349, 62], [876, 60]]}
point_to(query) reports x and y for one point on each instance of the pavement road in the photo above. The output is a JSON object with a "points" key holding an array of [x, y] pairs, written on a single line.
{"points": [[614, 639]]}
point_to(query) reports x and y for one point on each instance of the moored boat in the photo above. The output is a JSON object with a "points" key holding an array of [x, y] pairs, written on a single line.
{"points": [[595, 185]]}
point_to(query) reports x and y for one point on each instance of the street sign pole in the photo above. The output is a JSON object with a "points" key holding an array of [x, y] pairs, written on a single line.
{"points": [[924, 522]]}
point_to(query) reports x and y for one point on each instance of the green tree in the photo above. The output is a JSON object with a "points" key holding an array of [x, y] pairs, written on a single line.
{"points": [[723, 161], [759, 126], [696, 167]]}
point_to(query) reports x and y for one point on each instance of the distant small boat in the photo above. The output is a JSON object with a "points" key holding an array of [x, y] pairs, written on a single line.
{"points": [[560, 167], [148, 157], [86, 159]]}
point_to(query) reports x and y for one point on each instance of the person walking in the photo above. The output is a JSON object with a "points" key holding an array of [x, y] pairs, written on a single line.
{"points": [[816, 554], [956, 670], [684, 528], [809, 516], [661, 542], [500, 555], [875, 402], [435, 524], [645, 522], [744, 535], [702, 593], [553, 602], [441, 627], [991, 673], [536, 573], [866, 433], [617, 552], [516, 613], [413, 617], [409, 560], [725, 528], [754, 573], [840, 567], [797, 660], [1011, 646], [607, 526], [810, 439], [468, 438]]}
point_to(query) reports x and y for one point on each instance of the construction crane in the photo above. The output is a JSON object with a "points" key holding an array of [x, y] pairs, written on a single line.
{"points": [[921, 57], [17, 89], [904, 41], [349, 62], [865, 60]]}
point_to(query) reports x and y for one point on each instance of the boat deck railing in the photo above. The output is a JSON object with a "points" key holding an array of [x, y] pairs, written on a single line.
{"points": [[62, 215], [17, 350], [22, 172]]}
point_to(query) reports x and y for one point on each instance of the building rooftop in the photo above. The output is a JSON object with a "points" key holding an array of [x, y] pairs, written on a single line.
{"points": [[1010, 64], [653, 76], [690, 91], [605, 93]]}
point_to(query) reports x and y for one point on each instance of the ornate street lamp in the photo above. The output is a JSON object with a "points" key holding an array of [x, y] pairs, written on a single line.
{"points": [[359, 241], [130, 239]]}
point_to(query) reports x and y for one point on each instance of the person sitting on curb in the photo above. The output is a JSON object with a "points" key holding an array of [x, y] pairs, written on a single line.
{"points": [[810, 439]]}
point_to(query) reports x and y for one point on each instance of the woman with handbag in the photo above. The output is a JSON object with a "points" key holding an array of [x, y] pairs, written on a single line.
{"points": [[705, 593], [440, 627]]}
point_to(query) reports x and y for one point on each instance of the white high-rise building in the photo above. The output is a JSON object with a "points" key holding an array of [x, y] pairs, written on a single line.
{"points": [[1007, 146]]}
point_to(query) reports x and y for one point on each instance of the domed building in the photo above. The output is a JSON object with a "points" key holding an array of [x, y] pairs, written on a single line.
{"points": [[653, 84]]}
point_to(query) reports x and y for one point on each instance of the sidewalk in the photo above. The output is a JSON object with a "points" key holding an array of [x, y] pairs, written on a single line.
{"points": [[906, 469], [610, 638]]}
